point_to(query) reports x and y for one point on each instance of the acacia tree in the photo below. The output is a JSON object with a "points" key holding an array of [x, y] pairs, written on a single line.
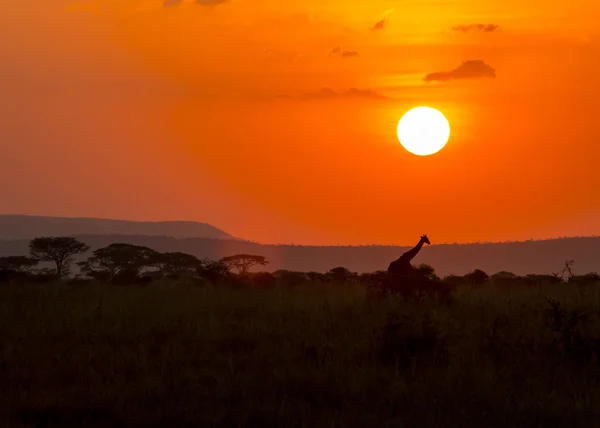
{"points": [[212, 271], [59, 250], [19, 264], [341, 274], [175, 263], [115, 259], [243, 262]]}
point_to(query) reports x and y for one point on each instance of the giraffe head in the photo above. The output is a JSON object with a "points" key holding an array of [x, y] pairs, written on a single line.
{"points": [[425, 240]]}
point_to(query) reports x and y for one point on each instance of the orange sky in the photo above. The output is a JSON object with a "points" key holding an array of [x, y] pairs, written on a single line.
{"points": [[240, 114]]}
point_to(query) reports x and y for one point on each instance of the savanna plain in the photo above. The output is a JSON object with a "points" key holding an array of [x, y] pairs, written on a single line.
{"points": [[187, 353]]}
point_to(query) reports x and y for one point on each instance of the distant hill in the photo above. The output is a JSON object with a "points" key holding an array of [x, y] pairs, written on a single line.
{"points": [[518, 257], [28, 227]]}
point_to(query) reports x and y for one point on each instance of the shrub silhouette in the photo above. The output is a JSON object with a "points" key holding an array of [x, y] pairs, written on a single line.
{"points": [[420, 284], [588, 278], [213, 271], [341, 275], [477, 277], [263, 279], [540, 280], [573, 342], [454, 280], [426, 271], [19, 264], [290, 278], [402, 341], [315, 277], [504, 278]]}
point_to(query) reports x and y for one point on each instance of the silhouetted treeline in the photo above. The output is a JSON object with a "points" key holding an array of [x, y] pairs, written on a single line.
{"points": [[522, 258], [124, 263]]}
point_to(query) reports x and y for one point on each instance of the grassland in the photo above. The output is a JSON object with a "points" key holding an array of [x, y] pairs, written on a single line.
{"points": [[176, 354]]}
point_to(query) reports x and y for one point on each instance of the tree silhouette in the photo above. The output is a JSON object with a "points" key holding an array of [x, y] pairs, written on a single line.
{"points": [[290, 278], [59, 250], [477, 277], [243, 262], [426, 271], [117, 259], [340, 274], [213, 271], [175, 263], [19, 264]]}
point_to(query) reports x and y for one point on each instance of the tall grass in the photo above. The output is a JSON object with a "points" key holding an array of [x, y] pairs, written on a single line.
{"points": [[182, 355]]}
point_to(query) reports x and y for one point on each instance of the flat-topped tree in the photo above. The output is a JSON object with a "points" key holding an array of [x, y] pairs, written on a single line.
{"points": [[118, 258], [176, 263], [243, 262], [58, 250]]}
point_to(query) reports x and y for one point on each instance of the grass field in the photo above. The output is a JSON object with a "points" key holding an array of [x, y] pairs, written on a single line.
{"points": [[182, 355]]}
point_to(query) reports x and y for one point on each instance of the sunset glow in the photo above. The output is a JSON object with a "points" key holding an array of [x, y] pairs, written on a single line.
{"points": [[266, 118]]}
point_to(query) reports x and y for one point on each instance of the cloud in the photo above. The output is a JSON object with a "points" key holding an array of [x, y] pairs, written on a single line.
{"points": [[484, 28], [471, 69], [382, 23], [210, 2], [328, 93], [379, 25], [343, 53], [169, 3]]}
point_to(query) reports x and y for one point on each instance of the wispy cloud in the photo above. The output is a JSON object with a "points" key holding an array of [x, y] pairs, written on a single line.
{"points": [[169, 3], [471, 69], [210, 2], [343, 53], [379, 25], [383, 21], [484, 28]]}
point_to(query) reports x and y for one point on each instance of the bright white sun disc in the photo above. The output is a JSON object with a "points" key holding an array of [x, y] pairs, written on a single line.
{"points": [[423, 131]]}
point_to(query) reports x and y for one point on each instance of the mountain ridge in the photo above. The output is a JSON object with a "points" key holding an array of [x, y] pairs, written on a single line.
{"points": [[19, 226]]}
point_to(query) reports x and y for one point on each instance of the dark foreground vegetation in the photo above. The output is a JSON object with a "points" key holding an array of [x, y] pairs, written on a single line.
{"points": [[140, 338], [188, 353]]}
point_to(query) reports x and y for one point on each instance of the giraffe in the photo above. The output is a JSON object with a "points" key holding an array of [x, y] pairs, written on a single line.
{"points": [[402, 266]]}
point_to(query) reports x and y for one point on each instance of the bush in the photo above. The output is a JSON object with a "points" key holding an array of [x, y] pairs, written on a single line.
{"points": [[263, 279], [290, 278], [402, 341], [540, 280], [588, 278], [477, 277]]}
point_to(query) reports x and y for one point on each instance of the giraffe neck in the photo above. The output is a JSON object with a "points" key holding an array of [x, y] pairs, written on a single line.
{"points": [[418, 246], [409, 255]]}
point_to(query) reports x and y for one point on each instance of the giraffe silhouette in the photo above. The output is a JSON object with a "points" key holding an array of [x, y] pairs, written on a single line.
{"points": [[402, 267]]}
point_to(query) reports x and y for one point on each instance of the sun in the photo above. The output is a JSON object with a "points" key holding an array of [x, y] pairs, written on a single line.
{"points": [[423, 131]]}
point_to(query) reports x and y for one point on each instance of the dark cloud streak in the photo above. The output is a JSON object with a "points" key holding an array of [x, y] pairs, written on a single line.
{"points": [[484, 28], [471, 69], [343, 53], [379, 25], [210, 2]]}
